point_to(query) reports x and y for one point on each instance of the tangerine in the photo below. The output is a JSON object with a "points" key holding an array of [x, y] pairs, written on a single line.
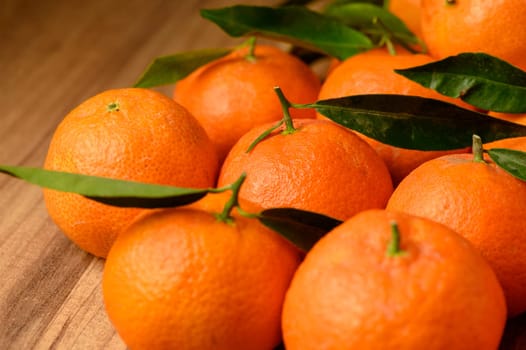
{"points": [[183, 279], [234, 93], [130, 134], [319, 166], [387, 280], [480, 201], [495, 27]]}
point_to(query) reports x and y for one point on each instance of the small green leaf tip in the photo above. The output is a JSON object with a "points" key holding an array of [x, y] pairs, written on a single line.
{"points": [[393, 248]]}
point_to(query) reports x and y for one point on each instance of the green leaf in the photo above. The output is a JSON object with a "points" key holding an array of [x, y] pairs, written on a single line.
{"points": [[105, 190], [415, 122], [479, 79], [375, 21], [294, 24], [302, 228], [169, 69], [295, 2], [512, 161], [344, 2]]}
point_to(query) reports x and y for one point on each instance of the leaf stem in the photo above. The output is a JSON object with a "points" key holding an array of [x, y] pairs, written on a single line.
{"points": [[285, 105], [287, 119], [393, 248], [263, 135], [251, 43], [477, 149], [232, 201]]}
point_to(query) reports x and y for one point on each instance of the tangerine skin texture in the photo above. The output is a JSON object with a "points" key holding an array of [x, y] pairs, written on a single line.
{"points": [[516, 143], [231, 95], [481, 202], [409, 12], [496, 27], [322, 167], [349, 294], [149, 138], [181, 279]]}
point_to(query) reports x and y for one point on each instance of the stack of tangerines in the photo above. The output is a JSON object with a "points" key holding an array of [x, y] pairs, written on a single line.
{"points": [[431, 249]]}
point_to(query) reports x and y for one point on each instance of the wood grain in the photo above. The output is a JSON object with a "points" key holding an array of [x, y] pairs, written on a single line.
{"points": [[54, 55]]}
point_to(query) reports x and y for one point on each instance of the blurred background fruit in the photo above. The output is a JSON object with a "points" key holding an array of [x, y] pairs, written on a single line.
{"points": [[235, 93]]}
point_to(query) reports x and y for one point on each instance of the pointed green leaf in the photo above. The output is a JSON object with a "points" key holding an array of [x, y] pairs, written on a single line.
{"points": [[294, 24], [300, 227], [169, 69], [482, 80], [105, 190], [415, 122], [373, 20], [512, 161]]}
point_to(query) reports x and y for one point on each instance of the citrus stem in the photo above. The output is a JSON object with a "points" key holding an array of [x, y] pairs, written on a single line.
{"points": [[251, 43], [287, 120], [477, 149], [232, 201], [393, 248], [113, 107], [285, 105]]}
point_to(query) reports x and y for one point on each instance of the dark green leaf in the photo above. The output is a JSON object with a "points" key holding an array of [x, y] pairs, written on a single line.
{"points": [[295, 2], [482, 80], [302, 228], [415, 122], [294, 24], [373, 20], [169, 69], [343, 2], [105, 190], [513, 161]]}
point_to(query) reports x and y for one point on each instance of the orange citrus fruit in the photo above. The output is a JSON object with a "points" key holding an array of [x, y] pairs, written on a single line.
{"points": [[480, 201], [409, 12], [321, 167], [232, 94], [360, 287], [372, 72], [518, 118], [182, 279], [516, 143], [496, 27], [129, 134]]}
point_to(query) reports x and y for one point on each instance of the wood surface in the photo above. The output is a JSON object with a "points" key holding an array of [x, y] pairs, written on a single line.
{"points": [[55, 54]]}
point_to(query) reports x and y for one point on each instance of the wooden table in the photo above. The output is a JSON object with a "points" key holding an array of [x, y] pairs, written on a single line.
{"points": [[54, 55]]}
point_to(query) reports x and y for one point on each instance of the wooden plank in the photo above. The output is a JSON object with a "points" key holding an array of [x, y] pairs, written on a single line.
{"points": [[55, 54]]}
